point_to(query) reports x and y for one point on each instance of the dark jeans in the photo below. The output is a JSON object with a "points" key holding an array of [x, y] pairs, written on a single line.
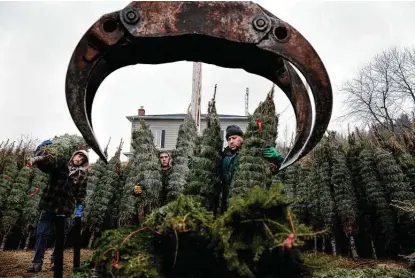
{"points": [[44, 231]]}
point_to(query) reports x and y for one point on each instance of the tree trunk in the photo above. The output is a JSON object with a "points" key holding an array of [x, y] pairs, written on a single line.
{"points": [[353, 248], [20, 241], [375, 257], [3, 242], [324, 244], [315, 245], [333, 245], [91, 240], [26, 245]]}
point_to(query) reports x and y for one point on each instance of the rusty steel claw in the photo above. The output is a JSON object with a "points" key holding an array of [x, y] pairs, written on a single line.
{"points": [[228, 34]]}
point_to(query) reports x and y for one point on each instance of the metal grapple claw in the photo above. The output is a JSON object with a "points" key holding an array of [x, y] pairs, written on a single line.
{"points": [[228, 34]]}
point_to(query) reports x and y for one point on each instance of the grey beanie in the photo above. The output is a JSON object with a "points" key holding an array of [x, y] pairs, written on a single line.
{"points": [[233, 130]]}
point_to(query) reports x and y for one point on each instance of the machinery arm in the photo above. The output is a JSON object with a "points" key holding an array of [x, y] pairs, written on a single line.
{"points": [[228, 34]]}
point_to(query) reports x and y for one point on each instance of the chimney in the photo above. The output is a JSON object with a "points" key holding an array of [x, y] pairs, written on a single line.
{"points": [[141, 111]]}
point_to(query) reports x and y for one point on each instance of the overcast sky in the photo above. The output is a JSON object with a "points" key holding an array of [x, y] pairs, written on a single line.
{"points": [[37, 40]]}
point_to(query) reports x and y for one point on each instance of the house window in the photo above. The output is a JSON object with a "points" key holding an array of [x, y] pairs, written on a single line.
{"points": [[163, 138], [159, 137]]}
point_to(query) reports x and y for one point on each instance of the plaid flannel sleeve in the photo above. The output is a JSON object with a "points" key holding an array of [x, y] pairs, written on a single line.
{"points": [[81, 194]]}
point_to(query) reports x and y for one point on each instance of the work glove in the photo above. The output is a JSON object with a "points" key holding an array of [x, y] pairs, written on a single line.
{"points": [[79, 212], [137, 190], [271, 152]]}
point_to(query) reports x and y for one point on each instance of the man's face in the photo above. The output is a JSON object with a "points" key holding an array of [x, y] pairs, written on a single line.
{"points": [[164, 159], [234, 142], [78, 159]]}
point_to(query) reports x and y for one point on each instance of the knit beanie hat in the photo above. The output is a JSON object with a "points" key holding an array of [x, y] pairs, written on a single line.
{"points": [[233, 130]]}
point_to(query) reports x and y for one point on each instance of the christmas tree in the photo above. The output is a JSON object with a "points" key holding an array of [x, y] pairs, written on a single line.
{"points": [[95, 174], [9, 173], [203, 179], [186, 143], [252, 169], [114, 181], [31, 210], [60, 151], [100, 200], [145, 173], [182, 239], [15, 202]]}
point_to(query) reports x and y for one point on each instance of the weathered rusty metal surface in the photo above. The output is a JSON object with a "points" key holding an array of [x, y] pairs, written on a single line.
{"points": [[228, 34], [223, 19]]}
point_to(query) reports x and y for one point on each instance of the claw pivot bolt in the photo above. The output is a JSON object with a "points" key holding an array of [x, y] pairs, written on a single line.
{"points": [[260, 23], [131, 15]]}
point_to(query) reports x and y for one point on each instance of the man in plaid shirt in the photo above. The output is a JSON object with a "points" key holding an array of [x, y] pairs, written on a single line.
{"points": [[66, 189]]}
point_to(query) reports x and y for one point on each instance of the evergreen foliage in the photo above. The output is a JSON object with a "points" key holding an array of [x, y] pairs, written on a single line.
{"points": [[244, 242], [16, 199], [34, 192], [252, 169], [203, 181], [376, 194], [185, 146]]}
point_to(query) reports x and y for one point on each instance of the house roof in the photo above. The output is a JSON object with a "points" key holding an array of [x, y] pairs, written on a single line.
{"points": [[181, 117]]}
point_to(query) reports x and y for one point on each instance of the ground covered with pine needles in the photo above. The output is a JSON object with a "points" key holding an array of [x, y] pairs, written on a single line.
{"points": [[13, 264]]}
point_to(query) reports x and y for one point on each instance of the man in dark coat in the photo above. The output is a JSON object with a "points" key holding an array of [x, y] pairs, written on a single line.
{"points": [[165, 171], [66, 188], [230, 158]]}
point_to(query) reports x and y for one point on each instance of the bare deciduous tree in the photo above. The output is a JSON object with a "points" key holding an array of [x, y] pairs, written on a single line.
{"points": [[382, 90]]}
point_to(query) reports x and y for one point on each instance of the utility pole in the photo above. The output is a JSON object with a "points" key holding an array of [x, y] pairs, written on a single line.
{"points": [[247, 102], [196, 93]]}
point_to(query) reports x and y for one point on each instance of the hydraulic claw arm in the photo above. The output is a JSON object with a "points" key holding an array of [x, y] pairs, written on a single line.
{"points": [[228, 34]]}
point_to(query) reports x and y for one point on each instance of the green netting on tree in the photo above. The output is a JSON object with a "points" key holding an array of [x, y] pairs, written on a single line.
{"points": [[203, 180], [33, 193], [265, 112], [9, 173], [252, 169], [183, 154]]}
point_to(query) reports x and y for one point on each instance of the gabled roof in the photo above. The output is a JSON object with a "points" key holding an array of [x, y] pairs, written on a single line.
{"points": [[181, 117]]}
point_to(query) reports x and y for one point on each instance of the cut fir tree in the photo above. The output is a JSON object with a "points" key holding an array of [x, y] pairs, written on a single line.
{"points": [[15, 202], [252, 169], [145, 173], [186, 143], [183, 239], [203, 181]]}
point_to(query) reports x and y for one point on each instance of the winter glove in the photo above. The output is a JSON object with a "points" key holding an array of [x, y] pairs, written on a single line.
{"points": [[137, 190], [79, 211], [273, 153]]}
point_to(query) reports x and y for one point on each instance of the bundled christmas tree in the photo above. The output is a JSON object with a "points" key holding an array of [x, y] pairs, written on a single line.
{"points": [[145, 173], [186, 143], [376, 195], [343, 193], [113, 170], [182, 239], [15, 202], [95, 174], [9, 173], [252, 169], [203, 178], [100, 201], [60, 151], [31, 210]]}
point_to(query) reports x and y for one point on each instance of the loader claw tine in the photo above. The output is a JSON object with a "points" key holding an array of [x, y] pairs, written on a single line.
{"points": [[227, 34]]}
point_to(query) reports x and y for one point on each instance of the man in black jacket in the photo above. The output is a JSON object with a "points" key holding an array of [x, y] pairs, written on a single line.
{"points": [[66, 188]]}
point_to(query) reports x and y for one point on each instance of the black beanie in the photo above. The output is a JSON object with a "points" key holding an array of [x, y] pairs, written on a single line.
{"points": [[233, 130]]}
